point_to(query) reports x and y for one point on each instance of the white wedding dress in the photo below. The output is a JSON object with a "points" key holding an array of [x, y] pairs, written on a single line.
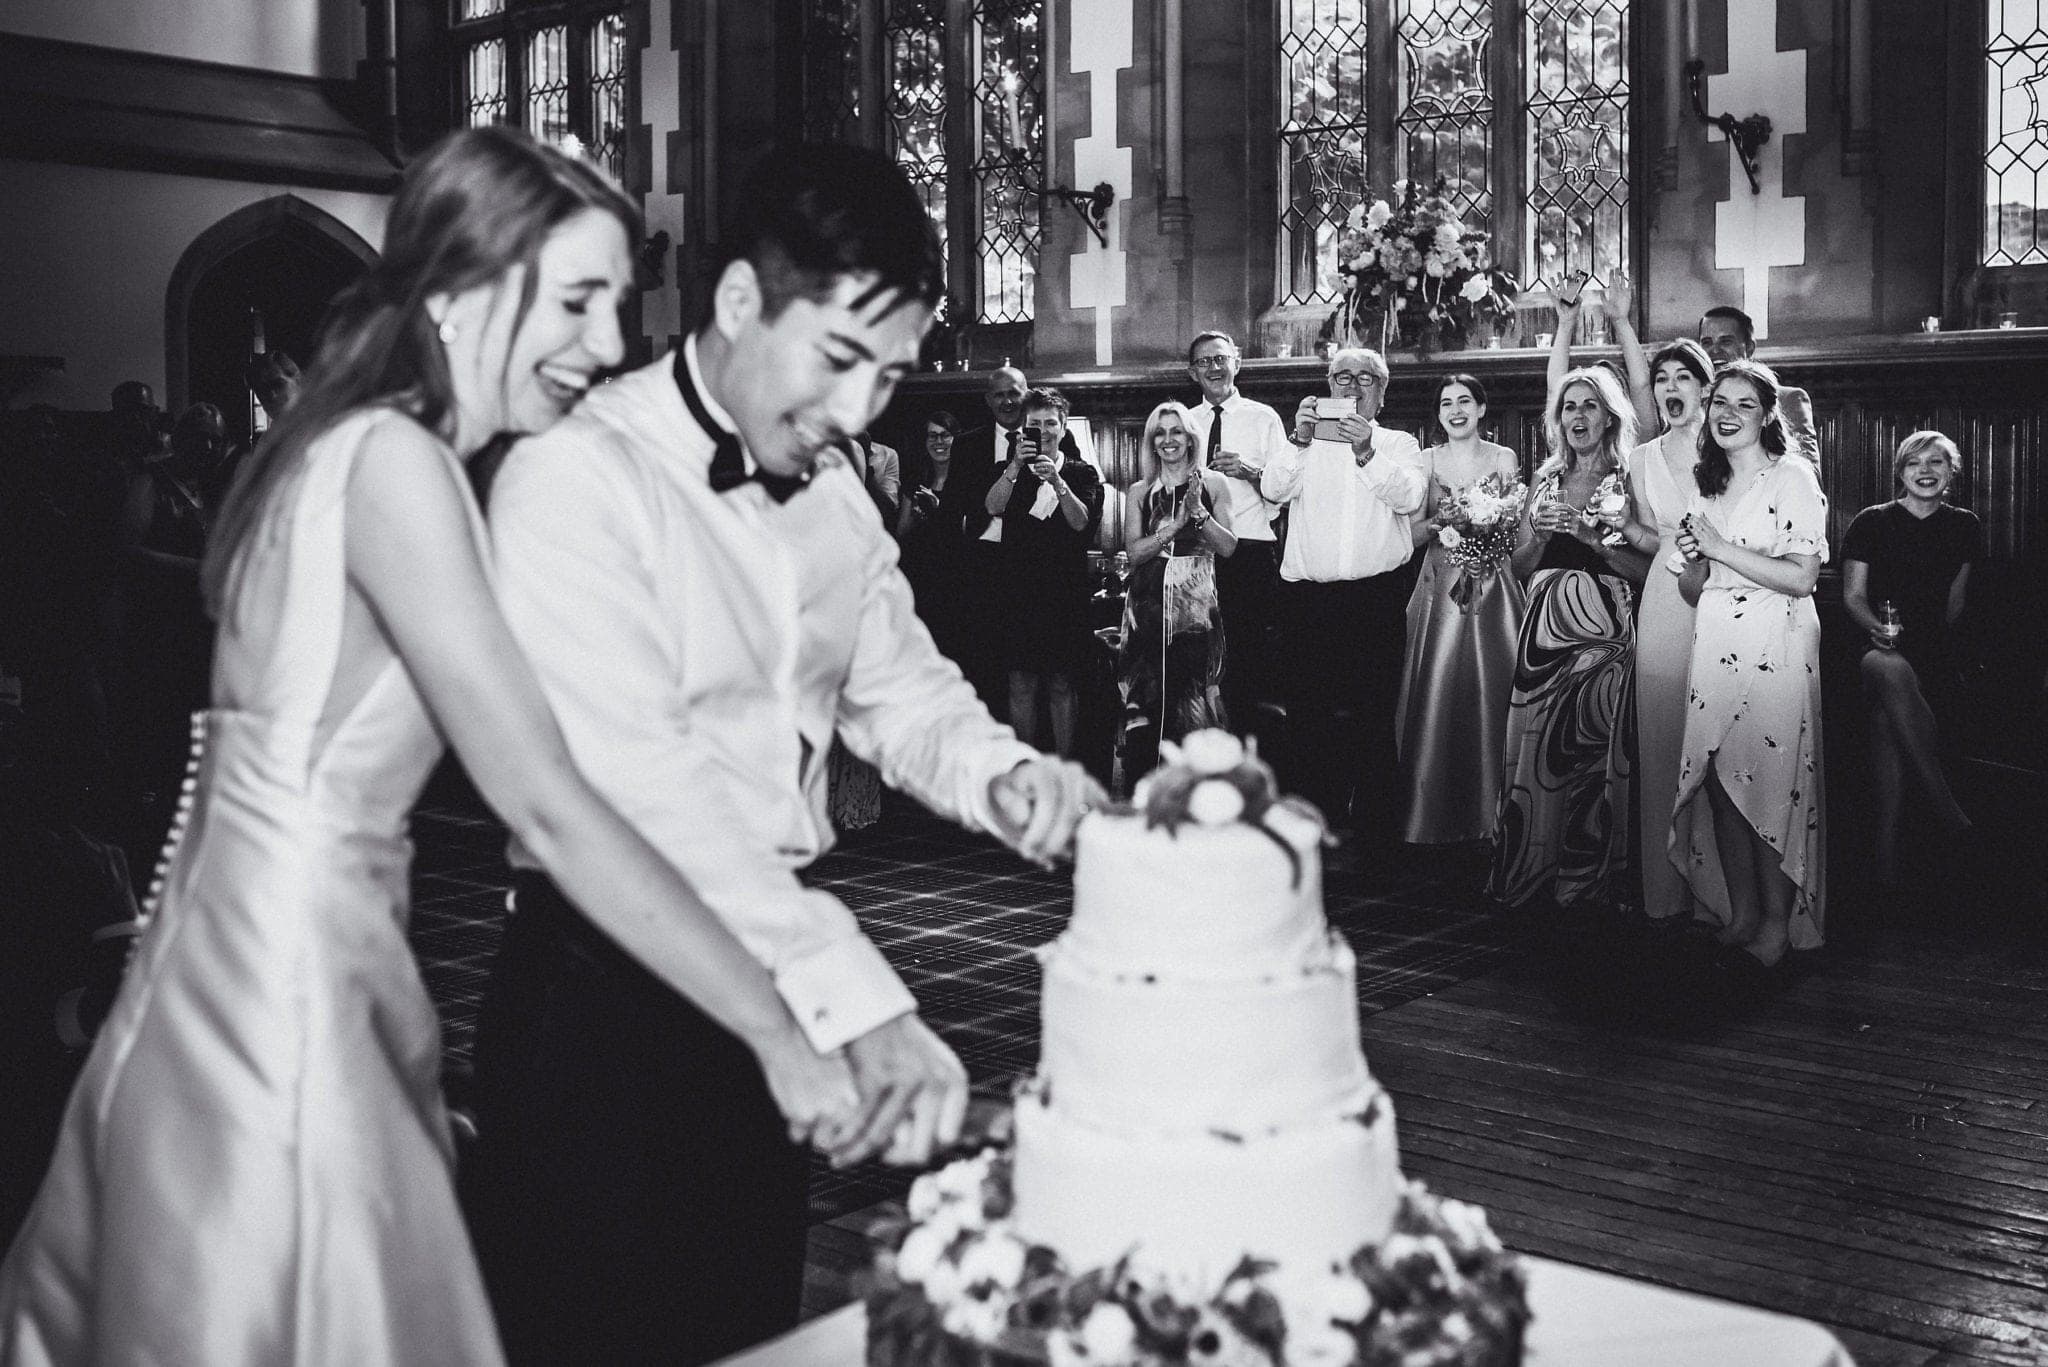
{"points": [[255, 1165]]}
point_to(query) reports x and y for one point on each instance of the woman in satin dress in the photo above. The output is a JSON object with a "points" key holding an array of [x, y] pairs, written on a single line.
{"points": [[254, 1167], [1452, 717], [1660, 475]]}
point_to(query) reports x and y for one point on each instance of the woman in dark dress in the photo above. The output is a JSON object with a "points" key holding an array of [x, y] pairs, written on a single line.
{"points": [[1566, 828], [1050, 506], [931, 535], [1912, 555]]}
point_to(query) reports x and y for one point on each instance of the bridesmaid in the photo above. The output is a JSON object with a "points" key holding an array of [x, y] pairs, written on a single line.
{"points": [[1660, 490], [1566, 805], [1460, 667], [1749, 780]]}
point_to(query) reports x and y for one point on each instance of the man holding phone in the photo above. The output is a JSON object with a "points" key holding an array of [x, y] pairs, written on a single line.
{"points": [[1351, 486]]}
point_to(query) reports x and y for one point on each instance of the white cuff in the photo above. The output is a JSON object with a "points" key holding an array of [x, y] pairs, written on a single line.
{"points": [[842, 991]]}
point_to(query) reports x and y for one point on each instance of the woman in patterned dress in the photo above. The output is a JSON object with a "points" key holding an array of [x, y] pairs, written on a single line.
{"points": [[1565, 825], [1460, 664], [1176, 522], [1749, 782]]}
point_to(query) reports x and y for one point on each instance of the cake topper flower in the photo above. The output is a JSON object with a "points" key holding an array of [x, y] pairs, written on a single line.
{"points": [[1213, 779]]}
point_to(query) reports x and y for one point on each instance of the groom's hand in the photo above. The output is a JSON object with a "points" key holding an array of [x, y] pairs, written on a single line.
{"points": [[1039, 803], [913, 1094]]}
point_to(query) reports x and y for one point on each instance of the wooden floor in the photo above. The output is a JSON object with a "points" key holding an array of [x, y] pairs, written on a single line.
{"points": [[1867, 1148]]}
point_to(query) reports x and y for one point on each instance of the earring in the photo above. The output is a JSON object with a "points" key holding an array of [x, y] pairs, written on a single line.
{"points": [[447, 332]]}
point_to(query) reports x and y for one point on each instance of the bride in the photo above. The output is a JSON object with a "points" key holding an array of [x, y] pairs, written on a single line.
{"points": [[254, 1166]]}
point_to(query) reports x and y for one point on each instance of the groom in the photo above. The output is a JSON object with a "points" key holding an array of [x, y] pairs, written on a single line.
{"points": [[709, 598]]}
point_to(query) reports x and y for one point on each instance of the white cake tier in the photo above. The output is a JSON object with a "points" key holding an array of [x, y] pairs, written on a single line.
{"points": [[1155, 1054], [1207, 902], [1194, 1205]]}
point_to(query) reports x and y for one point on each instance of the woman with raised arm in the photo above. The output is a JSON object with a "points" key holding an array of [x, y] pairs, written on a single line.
{"points": [[1564, 829], [1749, 778], [1616, 301], [1660, 492], [1912, 554], [1176, 525], [254, 1167], [1462, 624]]}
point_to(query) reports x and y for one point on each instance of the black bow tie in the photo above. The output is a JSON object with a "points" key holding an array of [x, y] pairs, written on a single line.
{"points": [[728, 462]]}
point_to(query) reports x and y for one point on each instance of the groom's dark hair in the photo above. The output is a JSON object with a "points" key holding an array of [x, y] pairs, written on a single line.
{"points": [[810, 214]]}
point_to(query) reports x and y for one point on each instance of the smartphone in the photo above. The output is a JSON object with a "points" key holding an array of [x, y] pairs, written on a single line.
{"points": [[1332, 406]]}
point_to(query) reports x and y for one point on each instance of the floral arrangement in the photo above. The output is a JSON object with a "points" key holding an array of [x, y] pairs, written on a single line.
{"points": [[956, 1285], [1417, 259], [1476, 526], [1212, 778]]}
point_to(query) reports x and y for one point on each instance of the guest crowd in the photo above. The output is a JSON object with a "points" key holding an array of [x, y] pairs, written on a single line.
{"points": [[1621, 696]]}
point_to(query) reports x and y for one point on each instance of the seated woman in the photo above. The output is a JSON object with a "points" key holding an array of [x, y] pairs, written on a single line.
{"points": [[1176, 522], [1050, 506], [1749, 778], [1462, 625], [1913, 553], [1563, 828]]}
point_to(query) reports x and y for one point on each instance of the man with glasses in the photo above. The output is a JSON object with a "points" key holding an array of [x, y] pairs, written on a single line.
{"points": [[1350, 486], [1238, 438]]}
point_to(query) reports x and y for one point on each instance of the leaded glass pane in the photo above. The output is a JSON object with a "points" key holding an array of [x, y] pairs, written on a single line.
{"points": [[478, 9], [1322, 139], [1009, 104], [914, 111], [1576, 85], [1446, 117], [483, 84], [547, 84], [609, 62], [832, 68], [2016, 134]]}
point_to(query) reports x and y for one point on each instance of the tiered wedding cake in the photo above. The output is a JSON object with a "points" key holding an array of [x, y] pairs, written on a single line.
{"points": [[1202, 1161]]}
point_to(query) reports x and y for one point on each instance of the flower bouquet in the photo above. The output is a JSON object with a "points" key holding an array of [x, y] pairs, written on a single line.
{"points": [[1476, 527], [1419, 262]]}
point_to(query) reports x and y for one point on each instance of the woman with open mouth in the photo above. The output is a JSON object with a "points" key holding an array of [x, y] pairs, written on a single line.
{"points": [[1913, 554], [1563, 826], [1749, 800]]}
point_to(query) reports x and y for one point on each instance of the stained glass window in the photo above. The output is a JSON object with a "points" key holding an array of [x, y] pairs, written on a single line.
{"points": [[1446, 118], [2016, 135], [609, 65], [834, 60], [1008, 104], [960, 86], [914, 98], [1576, 85], [1323, 66], [557, 68], [483, 84], [1378, 91]]}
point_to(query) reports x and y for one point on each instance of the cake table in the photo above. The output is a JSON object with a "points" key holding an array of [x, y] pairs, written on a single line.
{"points": [[1583, 1319]]}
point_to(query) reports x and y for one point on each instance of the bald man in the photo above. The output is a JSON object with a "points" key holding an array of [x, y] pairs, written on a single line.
{"points": [[979, 456]]}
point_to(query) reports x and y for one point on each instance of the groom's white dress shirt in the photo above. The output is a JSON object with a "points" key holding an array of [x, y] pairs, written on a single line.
{"points": [[700, 650]]}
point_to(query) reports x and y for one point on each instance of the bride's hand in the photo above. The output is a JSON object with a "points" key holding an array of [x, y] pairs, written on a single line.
{"points": [[815, 1092]]}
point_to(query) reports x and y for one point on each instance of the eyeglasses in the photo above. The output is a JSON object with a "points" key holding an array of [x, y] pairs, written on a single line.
{"points": [[1212, 362], [1359, 379]]}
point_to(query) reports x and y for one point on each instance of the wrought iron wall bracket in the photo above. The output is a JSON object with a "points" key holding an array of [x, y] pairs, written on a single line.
{"points": [[1092, 205], [1746, 136]]}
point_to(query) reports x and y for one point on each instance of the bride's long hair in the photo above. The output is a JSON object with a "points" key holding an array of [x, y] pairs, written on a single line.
{"points": [[476, 204]]}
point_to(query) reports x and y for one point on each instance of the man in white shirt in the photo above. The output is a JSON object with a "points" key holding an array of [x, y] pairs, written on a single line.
{"points": [[1350, 487], [708, 598], [1239, 438]]}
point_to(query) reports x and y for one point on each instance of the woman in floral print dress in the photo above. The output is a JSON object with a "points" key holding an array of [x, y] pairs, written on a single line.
{"points": [[1749, 782]]}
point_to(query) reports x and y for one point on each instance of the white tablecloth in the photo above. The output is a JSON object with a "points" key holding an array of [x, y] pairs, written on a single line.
{"points": [[1583, 1319]]}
